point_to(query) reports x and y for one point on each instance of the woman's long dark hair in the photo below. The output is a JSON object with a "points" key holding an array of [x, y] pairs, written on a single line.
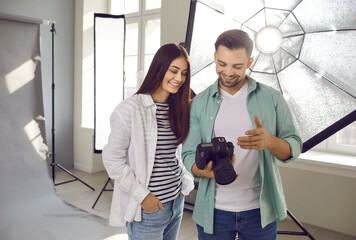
{"points": [[178, 102]]}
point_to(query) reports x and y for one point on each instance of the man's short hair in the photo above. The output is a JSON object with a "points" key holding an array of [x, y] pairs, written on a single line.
{"points": [[233, 39]]}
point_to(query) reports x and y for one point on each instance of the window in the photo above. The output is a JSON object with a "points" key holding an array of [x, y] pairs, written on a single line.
{"points": [[343, 142], [143, 33]]}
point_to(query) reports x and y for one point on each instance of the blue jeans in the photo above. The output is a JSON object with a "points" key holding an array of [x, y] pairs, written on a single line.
{"points": [[246, 224], [160, 224]]}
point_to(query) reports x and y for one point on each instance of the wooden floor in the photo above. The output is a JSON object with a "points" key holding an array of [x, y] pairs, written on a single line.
{"points": [[79, 195]]}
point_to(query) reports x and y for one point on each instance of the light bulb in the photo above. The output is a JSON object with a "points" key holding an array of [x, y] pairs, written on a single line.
{"points": [[269, 40]]}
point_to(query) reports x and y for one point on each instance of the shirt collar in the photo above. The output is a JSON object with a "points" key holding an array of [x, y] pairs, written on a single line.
{"points": [[146, 100], [214, 90], [252, 84]]}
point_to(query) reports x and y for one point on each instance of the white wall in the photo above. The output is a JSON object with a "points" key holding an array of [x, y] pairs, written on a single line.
{"points": [[62, 12], [322, 199], [174, 20]]}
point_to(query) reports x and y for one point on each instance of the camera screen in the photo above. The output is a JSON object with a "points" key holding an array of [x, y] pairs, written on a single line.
{"points": [[206, 144]]}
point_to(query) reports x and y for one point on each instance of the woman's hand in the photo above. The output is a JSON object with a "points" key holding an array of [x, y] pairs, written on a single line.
{"points": [[151, 203]]}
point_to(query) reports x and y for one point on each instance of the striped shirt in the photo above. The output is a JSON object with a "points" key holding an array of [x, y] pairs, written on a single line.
{"points": [[166, 178]]}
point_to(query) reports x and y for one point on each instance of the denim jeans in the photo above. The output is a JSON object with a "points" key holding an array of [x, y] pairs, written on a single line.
{"points": [[160, 224], [246, 224]]}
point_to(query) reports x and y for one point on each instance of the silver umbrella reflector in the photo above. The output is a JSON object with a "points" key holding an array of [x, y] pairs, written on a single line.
{"points": [[306, 49]]}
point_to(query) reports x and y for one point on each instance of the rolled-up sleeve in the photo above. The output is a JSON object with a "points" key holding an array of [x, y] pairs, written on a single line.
{"points": [[286, 128]]}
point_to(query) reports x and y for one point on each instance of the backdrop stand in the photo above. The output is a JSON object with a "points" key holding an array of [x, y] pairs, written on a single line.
{"points": [[54, 164]]}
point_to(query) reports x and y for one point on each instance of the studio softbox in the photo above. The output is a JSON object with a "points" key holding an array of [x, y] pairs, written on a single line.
{"points": [[305, 49], [109, 43]]}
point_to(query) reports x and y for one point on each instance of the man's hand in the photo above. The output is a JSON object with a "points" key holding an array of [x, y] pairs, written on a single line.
{"points": [[208, 170], [151, 203], [260, 139]]}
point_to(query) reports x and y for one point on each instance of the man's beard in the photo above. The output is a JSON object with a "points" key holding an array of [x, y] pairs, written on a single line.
{"points": [[234, 83]]}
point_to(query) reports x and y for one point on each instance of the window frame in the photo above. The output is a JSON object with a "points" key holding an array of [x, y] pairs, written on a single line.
{"points": [[140, 17], [331, 145]]}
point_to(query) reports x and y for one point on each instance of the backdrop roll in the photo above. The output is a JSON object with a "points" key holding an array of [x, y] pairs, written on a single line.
{"points": [[29, 205]]}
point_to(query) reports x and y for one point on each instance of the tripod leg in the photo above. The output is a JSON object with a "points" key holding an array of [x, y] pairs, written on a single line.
{"points": [[300, 225], [111, 183], [102, 190], [76, 178]]}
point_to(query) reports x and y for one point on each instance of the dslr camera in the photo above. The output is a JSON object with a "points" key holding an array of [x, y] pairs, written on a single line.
{"points": [[220, 152]]}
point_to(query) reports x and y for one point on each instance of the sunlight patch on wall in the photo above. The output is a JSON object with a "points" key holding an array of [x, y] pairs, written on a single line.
{"points": [[20, 76], [88, 92], [33, 133], [88, 20]]}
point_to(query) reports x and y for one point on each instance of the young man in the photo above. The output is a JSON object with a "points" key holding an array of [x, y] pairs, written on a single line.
{"points": [[256, 119]]}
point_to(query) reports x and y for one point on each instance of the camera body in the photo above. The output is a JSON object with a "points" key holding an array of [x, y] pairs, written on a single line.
{"points": [[220, 152]]}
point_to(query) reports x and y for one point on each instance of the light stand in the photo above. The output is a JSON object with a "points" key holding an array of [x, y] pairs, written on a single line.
{"points": [[54, 164], [102, 190], [304, 230]]}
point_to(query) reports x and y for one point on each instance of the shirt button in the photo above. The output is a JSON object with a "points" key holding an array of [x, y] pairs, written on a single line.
{"points": [[218, 102], [211, 118], [208, 138]]}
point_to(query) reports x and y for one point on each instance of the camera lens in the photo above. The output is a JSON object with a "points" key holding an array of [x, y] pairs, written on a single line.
{"points": [[224, 173]]}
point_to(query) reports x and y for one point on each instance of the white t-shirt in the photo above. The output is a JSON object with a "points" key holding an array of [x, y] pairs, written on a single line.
{"points": [[232, 121]]}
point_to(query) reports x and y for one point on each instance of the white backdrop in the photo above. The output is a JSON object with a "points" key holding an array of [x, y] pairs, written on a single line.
{"points": [[29, 205]]}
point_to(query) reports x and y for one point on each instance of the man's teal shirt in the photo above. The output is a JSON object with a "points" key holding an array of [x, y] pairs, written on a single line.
{"points": [[274, 114]]}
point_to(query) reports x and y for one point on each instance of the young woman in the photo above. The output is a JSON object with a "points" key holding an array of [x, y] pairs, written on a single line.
{"points": [[141, 154]]}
